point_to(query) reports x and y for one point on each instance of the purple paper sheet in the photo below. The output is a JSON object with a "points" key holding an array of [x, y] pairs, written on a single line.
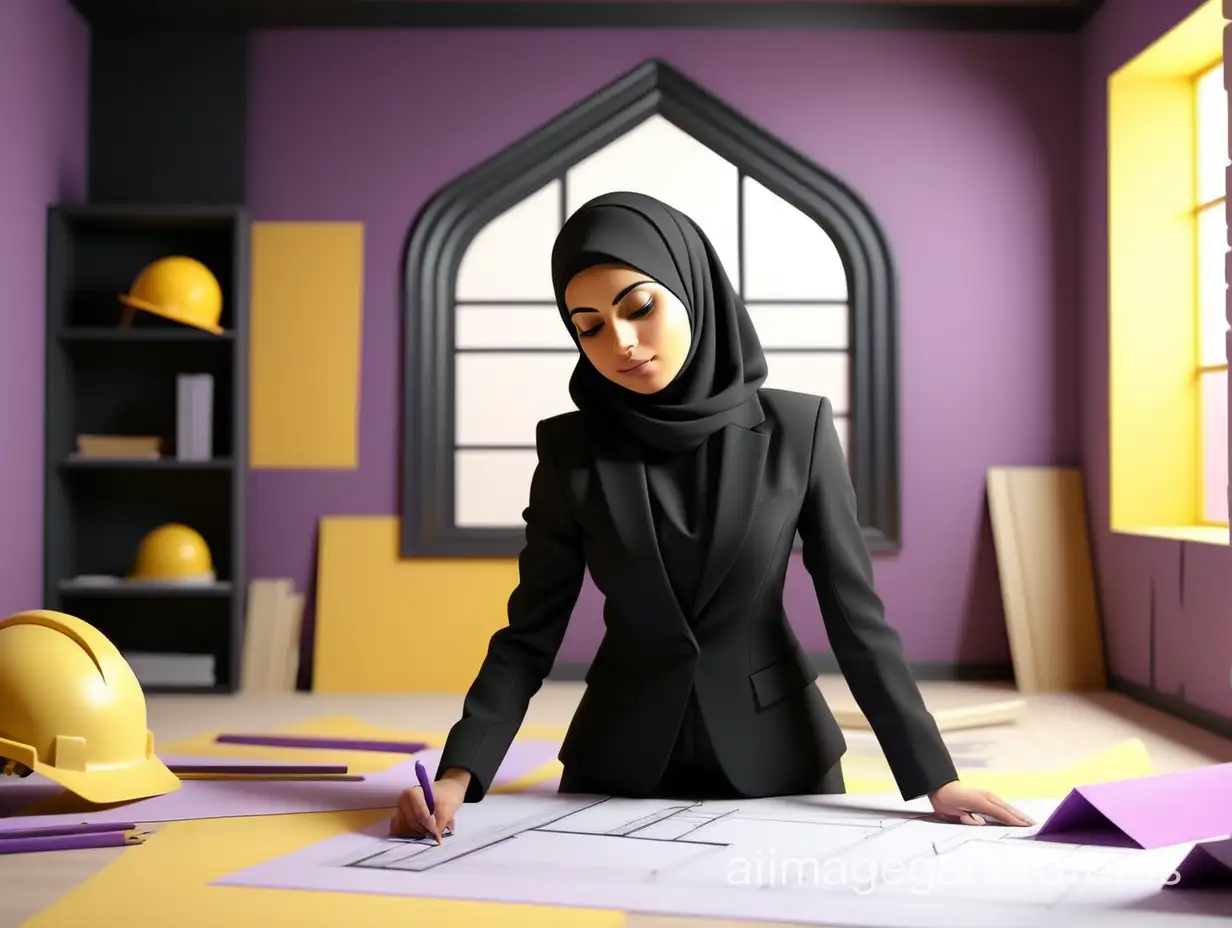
{"points": [[1207, 866], [198, 799], [18, 793], [1146, 812], [548, 785]]}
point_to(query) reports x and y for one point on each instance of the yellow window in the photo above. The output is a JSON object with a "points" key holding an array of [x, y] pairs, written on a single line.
{"points": [[1168, 322]]}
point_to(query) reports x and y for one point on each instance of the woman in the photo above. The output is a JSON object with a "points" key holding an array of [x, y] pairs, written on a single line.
{"points": [[680, 483]]}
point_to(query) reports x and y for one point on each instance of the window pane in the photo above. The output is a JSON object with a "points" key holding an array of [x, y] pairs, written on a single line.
{"points": [[491, 488], [510, 327], [1212, 114], [787, 256], [511, 257], [660, 160], [818, 374], [1212, 288], [809, 325], [1215, 446], [500, 398]]}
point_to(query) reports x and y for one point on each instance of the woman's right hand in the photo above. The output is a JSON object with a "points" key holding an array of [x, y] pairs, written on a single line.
{"points": [[411, 819]]}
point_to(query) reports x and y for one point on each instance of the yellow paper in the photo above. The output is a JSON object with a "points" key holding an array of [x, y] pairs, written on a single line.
{"points": [[306, 330], [1123, 761], [165, 881], [377, 611]]}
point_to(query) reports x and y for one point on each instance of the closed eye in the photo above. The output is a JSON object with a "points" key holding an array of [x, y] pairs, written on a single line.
{"points": [[638, 313], [643, 310]]}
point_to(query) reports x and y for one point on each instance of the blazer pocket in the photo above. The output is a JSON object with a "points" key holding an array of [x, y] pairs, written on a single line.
{"points": [[779, 680]]}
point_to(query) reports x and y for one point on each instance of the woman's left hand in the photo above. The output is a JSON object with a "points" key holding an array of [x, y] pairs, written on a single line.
{"points": [[957, 803]]}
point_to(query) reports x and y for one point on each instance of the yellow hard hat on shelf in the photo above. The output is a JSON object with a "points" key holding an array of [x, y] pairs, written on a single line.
{"points": [[178, 288], [173, 553], [73, 711]]}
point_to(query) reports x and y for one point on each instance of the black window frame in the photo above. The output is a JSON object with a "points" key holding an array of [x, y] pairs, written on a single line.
{"points": [[449, 222]]}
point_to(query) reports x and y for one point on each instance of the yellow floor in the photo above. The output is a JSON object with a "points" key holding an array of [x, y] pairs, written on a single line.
{"points": [[1060, 738]]}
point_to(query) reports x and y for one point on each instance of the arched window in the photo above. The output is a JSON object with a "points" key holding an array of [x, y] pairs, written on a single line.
{"points": [[487, 356]]}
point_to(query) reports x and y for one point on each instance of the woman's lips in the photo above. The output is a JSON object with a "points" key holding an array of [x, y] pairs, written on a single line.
{"points": [[638, 369]]}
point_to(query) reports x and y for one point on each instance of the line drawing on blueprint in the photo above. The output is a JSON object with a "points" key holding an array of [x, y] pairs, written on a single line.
{"points": [[845, 860], [642, 840]]}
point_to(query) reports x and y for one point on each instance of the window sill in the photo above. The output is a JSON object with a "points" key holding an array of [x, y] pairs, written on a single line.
{"points": [[1199, 534]]}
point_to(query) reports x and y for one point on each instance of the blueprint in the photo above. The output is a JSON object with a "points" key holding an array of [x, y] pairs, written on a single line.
{"points": [[868, 861]]}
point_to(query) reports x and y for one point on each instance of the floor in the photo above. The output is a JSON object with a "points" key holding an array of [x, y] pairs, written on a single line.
{"points": [[1056, 730]]}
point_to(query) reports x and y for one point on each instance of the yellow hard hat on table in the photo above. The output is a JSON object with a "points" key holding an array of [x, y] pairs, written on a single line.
{"points": [[178, 288], [73, 711]]}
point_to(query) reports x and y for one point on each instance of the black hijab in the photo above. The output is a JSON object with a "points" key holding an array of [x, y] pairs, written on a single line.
{"points": [[725, 366]]}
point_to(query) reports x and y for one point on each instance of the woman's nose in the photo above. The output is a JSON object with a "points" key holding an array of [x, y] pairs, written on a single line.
{"points": [[626, 337]]}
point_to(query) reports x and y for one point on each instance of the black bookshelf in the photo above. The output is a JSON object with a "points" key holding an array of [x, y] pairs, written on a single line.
{"points": [[105, 377]]}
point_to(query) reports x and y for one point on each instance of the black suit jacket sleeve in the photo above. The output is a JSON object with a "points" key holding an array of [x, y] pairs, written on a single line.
{"points": [[520, 655], [868, 650]]}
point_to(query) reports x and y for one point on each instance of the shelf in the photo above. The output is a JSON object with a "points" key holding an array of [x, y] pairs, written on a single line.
{"points": [[76, 334], [145, 217], [113, 371], [186, 690], [172, 464], [123, 590]]}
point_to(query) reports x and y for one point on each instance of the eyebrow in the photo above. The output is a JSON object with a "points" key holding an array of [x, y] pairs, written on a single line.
{"points": [[616, 299]]}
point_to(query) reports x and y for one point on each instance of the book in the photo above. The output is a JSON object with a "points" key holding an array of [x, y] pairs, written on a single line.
{"points": [[194, 426]]}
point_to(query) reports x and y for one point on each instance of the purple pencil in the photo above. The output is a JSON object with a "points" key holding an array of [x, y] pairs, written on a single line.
{"points": [[68, 842], [336, 744], [263, 769], [56, 831]]}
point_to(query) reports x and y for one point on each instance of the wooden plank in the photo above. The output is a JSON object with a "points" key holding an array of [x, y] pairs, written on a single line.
{"points": [[261, 634], [1047, 582]]}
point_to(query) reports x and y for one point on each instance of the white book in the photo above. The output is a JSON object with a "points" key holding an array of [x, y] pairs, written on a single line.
{"points": [[154, 669], [183, 417], [203, 418], [194, 417]]}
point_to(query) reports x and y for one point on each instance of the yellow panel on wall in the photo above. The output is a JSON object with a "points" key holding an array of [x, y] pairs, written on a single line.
{"points": [[306, 330], [386, 625]]}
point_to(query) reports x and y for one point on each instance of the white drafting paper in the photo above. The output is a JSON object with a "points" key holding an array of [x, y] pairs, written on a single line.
{"points": [[868, 861]]}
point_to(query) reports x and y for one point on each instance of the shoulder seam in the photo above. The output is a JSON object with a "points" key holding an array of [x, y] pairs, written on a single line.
{"points": [[821, 405]]}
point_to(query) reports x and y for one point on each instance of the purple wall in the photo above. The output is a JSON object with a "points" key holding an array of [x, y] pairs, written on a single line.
{"points": [[44, 57], [1193, 582], [964, 145]]}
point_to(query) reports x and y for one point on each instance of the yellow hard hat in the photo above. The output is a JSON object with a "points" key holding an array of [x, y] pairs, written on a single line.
{"points": [[180, 289], [72, 710], [173, 553]]}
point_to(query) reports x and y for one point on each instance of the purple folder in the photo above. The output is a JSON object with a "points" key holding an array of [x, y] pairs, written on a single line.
{"points": [[1207, 866], [1146, 812]]}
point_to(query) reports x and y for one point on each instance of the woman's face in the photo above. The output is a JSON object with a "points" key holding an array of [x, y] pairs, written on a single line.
{"points": [[635, 332]]}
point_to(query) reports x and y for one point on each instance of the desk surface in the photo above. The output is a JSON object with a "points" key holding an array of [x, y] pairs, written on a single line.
{"points": [[1056, 730]]}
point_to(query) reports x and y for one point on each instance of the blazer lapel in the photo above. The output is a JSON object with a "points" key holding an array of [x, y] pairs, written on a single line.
{"points": [[623, 478], [742, 463]]}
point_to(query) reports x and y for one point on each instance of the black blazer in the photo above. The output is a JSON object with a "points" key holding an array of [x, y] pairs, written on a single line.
{"points": [[771, 729]]}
